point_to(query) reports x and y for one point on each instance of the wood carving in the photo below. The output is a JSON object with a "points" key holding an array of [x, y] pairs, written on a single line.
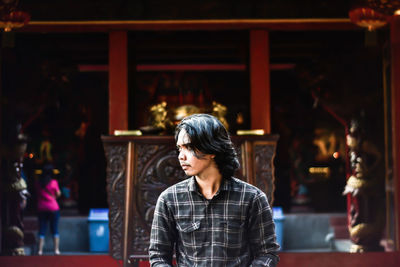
{"points": [[116, 171], [155, 167], [263, 165]]}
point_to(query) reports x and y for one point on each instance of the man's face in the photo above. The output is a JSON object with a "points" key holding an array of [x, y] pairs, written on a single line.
{"points": [[190, 164]]}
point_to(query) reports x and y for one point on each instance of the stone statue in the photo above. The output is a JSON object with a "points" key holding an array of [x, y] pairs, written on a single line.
{"points": [[16, 194]]}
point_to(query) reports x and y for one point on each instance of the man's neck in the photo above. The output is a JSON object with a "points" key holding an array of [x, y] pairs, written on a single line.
{"points": [[209, 184]]}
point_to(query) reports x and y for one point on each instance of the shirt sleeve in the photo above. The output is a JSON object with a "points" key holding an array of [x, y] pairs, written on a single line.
{"points": [[162, 236], [262, 236]]}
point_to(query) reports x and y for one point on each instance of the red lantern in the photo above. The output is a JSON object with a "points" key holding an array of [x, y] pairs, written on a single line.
{"points": [[368, 18], [15, 19]]}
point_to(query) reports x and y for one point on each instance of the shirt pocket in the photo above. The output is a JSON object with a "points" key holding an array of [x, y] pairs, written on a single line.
{"points": [[187, 232]]}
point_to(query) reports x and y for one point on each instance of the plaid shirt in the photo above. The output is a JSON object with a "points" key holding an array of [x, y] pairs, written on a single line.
{"points": [[234, 228]]}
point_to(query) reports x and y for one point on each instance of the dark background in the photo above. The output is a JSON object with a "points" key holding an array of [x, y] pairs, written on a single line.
{"points": [[44, 89]]}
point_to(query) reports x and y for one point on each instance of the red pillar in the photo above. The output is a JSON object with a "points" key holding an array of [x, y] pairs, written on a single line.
{"points": [[118, 82], [395, 91], [260, 96]]}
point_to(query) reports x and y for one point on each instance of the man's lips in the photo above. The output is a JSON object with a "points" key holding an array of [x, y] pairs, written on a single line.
{"points": [[184, 165]]}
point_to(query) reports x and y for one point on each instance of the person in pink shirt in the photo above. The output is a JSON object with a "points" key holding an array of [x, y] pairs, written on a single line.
{"points": [[48, 210]]}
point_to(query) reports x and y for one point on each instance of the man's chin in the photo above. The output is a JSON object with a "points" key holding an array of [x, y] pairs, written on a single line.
{"points": [[188, 173]]}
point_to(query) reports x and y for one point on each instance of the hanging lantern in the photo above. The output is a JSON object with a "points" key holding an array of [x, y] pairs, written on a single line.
{"points": [[10, 17], [368, 18], [15, 19]]}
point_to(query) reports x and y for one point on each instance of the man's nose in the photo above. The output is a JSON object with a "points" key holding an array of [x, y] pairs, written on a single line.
{"points": [[181, 155]]}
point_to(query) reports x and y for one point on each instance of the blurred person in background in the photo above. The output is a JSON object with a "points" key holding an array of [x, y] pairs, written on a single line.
{"points": [[48, 209]]}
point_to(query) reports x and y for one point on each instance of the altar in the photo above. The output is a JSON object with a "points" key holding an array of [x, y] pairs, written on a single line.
{"points": [[139, 168]]}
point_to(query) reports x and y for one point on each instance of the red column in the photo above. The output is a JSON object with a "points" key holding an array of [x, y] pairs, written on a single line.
{"points": [[395, 88], [118, 82], [260, 96]]}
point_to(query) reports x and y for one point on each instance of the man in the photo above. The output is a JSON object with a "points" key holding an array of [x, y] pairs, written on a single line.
{"points": [[211, 218]]}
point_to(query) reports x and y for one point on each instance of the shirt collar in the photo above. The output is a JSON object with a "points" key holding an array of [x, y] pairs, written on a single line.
{"points": [[192, 185]]}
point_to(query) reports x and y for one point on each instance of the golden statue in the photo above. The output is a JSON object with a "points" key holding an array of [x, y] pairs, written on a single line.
{"points": [[184, 111], [159, 120], [220, 111]]}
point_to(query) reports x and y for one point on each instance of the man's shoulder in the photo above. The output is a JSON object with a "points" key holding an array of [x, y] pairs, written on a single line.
{"points": [[248, 192], [179, 187], [242, 186]]}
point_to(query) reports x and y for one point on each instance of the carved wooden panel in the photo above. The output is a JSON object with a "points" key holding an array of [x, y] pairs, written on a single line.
{"points": [[257, 167], [157, 168], [264, 153], [154, 166], [116, 172]]}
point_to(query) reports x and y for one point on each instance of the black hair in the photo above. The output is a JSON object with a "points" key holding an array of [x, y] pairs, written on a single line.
{"points": [[208, 136], [47, 174]]}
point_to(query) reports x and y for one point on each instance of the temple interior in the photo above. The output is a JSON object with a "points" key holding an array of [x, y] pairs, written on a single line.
{"points": [[320, 77]]}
